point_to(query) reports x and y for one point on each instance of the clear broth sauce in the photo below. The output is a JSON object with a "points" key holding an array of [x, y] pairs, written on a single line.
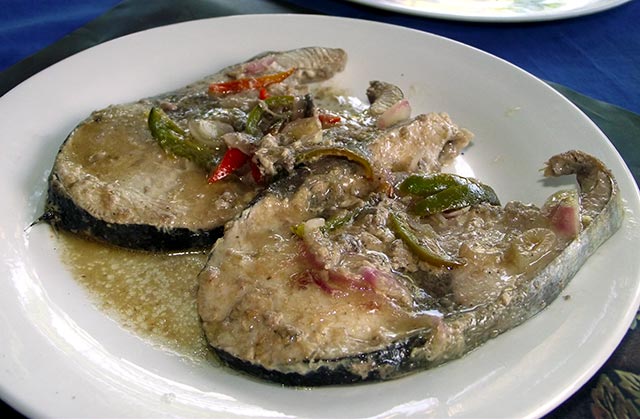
{"points": [[150, 294]]}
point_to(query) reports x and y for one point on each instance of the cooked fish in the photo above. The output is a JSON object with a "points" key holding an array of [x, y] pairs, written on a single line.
{"points": [[241, 265], [112, 181], [326, 279]]}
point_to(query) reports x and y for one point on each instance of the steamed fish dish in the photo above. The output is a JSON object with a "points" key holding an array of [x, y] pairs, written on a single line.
{"points": [[357, 285], [340, 251], [132, 174]]}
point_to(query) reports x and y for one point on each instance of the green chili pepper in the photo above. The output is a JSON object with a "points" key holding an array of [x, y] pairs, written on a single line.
{"points": [[425, 247], [336, 151], [176, 141], [336, 222], [442, 192], [455, 197], [255, 115], [253, 120], [333, 223], [421, 185], [298, 230]]}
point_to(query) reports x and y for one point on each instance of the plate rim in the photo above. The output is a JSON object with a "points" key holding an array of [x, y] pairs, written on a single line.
{"points": [[3, 394], [595, 7]]}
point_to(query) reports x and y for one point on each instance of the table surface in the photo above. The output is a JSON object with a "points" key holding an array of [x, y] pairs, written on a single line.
{"points": [[597, 56]]}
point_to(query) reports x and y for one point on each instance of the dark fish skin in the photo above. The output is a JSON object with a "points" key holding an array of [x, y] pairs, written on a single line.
{"points": [[450, 337], [112, 182], [391, 362], [147, 237]]}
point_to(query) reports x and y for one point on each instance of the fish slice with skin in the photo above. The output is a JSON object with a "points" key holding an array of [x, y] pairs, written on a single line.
{"points": [[335, 303], [254, 288], [112, 182]]}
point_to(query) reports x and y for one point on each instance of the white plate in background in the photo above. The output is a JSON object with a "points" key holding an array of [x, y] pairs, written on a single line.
{"points": [[495, 10], [62, 357]]}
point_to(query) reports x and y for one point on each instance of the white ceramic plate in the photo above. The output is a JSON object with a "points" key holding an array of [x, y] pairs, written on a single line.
{"points": [[60, 356], [495, 10]]}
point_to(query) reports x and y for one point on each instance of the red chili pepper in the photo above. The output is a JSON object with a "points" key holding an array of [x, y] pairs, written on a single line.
{"points": [[263, 94], [255, 172], [232, 160], [328, 120], [239, 85]]}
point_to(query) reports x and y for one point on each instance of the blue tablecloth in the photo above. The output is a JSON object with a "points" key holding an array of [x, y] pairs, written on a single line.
{"points": [[27, 26], [596, 55]]}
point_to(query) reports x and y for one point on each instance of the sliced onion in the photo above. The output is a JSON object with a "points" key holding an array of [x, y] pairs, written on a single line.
{"points": [[242, 141], [563, 210], [398, 112], [207, 131], [306, 130]]}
